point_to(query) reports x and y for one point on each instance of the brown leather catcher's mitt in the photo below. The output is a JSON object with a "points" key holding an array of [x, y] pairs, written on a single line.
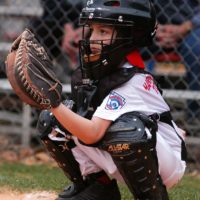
{"points": [[30, 72]]}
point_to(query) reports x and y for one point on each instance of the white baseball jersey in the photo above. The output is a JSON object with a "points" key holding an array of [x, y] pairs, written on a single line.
{"points": [[138, 94]]}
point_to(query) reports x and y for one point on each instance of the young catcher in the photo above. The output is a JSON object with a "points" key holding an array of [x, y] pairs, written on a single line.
{"points": [[117, 125]]}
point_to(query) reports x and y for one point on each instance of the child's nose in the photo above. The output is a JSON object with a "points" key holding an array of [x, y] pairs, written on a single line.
{"points": [[93, 36]]}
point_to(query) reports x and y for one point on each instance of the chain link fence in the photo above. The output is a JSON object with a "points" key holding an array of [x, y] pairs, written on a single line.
{"points": [[177, 68]]}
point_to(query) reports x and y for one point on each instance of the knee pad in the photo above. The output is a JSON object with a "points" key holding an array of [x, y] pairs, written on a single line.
{"points": [[45, 123], [131, 142]]}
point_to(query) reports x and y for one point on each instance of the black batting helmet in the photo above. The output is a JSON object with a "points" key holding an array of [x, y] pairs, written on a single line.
{"points": [[135, 23]]}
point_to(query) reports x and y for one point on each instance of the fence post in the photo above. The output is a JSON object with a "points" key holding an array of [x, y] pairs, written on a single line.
{"points": [[26, 125]]}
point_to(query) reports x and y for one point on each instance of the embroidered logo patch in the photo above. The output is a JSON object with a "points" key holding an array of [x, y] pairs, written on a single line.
{"points": [[115, 101]]}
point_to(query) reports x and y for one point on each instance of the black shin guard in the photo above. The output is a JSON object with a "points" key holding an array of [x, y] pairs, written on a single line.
{"points": [[62, 154], [134, 153], [60, 150]]}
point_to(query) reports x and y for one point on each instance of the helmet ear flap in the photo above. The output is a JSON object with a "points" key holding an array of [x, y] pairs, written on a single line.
{"points": [[124, 31]]}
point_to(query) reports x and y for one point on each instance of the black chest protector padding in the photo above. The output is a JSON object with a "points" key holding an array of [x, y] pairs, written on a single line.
{"points": [[105, 85]]}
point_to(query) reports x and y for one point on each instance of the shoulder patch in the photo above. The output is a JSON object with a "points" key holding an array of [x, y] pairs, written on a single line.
{"points": [[115, 101]]}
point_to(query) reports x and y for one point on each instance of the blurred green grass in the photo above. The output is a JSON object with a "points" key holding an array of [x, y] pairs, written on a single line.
{"points": [[23, 178]]}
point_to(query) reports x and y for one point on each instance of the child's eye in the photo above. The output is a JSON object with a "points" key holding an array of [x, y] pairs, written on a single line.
{"points": [[103, 32]]}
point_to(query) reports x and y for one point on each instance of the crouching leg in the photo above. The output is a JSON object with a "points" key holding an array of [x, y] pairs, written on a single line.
{"points": [[131, 141], [59, 145]]}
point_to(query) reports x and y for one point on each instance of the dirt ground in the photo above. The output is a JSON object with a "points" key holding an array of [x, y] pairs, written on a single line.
{"points": [[10, 195], [28, 156]]}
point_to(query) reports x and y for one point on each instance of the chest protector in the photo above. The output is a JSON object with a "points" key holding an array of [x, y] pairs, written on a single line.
{"points": [[88, 97]]}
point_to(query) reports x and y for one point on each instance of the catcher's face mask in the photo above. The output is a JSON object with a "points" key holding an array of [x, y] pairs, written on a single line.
{"points": [[94, 49], [99, 36]]}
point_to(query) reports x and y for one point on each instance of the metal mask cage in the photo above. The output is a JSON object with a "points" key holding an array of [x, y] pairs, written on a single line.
{"points": [[102, 61], [84, 45]]}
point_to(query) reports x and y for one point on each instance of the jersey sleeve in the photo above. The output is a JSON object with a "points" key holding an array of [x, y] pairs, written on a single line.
{"points": [[119, 101], [138, 94]]}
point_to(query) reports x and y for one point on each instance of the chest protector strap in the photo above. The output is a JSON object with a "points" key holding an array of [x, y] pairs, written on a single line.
{"points": [[166, 117], [131, 141]]}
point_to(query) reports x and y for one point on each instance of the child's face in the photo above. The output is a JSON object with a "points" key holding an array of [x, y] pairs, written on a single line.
{"points": [[103, 34]]}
